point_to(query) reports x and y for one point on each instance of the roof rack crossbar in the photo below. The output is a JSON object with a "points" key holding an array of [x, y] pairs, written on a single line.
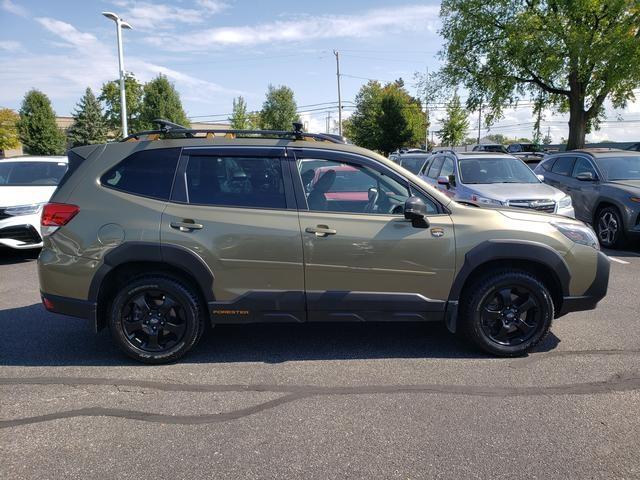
{"points": [[170, 128]]}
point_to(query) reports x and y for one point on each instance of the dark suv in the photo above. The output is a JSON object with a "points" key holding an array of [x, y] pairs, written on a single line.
{"points": [[604, 185]]}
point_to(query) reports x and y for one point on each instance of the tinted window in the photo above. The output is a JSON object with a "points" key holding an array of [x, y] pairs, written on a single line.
{"points": [[148, 173], [31, 173], [351, 188], [413, 164], [236, 181], [548, 164], [435, 167], [563, 166], [514, 148], [447, 167], [583, 166]]}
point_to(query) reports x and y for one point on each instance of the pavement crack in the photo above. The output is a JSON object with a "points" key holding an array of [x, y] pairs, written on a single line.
{"points": [[618, 383]]}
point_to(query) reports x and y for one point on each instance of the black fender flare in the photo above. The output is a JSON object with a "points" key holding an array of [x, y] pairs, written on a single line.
{"points": [[491, 250], [174, 255]]}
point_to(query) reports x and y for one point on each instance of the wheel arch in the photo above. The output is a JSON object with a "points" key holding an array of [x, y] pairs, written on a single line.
{"points": [[534, 257], [134, 259]]}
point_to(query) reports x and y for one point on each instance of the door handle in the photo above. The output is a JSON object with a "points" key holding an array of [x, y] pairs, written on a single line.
{"points": [[321, 230], [186, 226]]}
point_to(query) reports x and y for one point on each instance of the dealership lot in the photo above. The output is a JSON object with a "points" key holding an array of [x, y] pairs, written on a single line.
{"points": [[320, 401]]}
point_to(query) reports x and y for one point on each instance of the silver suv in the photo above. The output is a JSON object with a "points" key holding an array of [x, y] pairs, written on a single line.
{"points": [[493, 179]]}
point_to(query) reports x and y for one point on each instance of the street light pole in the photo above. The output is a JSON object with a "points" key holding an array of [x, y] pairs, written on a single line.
{"points": [[120, 24]]}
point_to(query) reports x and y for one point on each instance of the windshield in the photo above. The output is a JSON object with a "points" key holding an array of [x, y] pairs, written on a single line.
{"points": [[413, 164], [491, 148], [495, 170], [31, 173], [620, 168]]}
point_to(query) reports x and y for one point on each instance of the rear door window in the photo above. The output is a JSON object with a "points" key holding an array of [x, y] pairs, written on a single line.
{"points": [[435, 167], [147, 173], [563, 166], [447, 167], [583, 166], [252, 182]]}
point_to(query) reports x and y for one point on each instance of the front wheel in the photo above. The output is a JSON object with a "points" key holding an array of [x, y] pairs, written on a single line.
{"points": [[506, 313], [156, 319], [609, 227]]}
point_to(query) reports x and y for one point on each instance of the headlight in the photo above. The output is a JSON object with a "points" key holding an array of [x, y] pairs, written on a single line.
{"points": [[578, 233], [565, 202], [23, 209], [485, 201]]}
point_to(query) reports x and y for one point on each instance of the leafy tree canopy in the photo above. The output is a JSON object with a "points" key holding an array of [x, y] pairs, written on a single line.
{"points": [[455, 124], [571, 55], [110, 96], [279, 109], [240, 118], [161, 100], [37, 126], [8, 129]]}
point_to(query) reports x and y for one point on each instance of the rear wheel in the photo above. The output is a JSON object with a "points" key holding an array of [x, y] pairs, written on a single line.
{"points": [[506, 313], [156, 319], [609, 227]]}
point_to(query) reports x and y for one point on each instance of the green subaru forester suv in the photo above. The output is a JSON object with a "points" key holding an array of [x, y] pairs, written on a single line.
{"points": [[170, 231]]}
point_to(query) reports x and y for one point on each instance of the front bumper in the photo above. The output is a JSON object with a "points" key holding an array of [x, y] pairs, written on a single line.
{"points": [[21, 232], [567, 212], [596, 291]]}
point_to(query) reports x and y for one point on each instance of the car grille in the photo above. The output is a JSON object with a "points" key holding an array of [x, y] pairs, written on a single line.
{"points": [[546, 206], [21, 233]]}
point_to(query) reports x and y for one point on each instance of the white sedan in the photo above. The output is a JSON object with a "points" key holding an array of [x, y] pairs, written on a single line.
{"points": [[26, 184]]}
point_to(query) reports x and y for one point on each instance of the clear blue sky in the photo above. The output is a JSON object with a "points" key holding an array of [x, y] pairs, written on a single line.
{"points": [[214, 50]]}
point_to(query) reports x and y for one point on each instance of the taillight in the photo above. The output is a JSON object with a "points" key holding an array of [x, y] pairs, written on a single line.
{"points": [[55, 215]]}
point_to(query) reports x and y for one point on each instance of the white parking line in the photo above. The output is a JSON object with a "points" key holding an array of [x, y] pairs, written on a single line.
{"points": [[617, 260]]}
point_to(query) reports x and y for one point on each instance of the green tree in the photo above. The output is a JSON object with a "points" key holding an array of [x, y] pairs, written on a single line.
{"points": [[497, 138], [386, 118], [110, 96], [37, 126], [8, 129], [547, 140], [161, 100], [279, 109], [240, 118], [89, 125], [455, 125], [254, 120], [572, 55]]}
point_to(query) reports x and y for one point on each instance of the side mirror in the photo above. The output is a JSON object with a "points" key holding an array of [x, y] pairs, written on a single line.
{"points": [[586, 177], [442, 180], [540, 177], [416, 211]]}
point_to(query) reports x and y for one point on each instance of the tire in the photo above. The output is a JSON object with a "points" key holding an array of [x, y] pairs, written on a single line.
{"points": [[156, 319], [506, 313], [610, 228]]}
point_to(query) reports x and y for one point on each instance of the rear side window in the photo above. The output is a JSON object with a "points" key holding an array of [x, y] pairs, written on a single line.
{"points": [[148, 173], [435, 167], [236, 182], [563, 165], [447, 167]]}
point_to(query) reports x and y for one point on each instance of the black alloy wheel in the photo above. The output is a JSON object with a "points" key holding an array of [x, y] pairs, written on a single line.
{"points": [[510, 315]]}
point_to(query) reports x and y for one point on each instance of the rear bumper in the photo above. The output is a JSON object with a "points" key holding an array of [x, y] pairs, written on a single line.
{"points": [[596, 291], [72, 307]]}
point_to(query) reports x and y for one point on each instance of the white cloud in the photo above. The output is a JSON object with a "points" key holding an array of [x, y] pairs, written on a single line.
{"points": [[14, 8], [68, 32], [10, 45], [144, 15], [306, 28]]}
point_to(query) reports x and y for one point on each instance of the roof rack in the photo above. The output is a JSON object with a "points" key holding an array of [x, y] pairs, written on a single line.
{"points": [[443, 150], [173, 130]]}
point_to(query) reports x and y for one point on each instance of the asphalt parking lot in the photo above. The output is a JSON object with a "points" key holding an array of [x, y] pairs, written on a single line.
{"points": [[319, 401]]}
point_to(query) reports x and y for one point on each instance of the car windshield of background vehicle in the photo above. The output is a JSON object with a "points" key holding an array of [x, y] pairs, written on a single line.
{"points": [[495, 170], [620, 168], [32, 174], [413, 164]]}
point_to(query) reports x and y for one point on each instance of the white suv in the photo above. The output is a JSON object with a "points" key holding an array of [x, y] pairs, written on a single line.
{"points": [[26, 184]]}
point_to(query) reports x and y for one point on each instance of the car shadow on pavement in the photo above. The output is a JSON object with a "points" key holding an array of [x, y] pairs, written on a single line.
{"points": [[628, 252], [10, 256], [31, 336]]}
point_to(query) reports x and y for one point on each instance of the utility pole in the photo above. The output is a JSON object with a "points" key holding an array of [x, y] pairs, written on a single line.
{"points": [[328, 122], [426, 136], [120, 24], [337, 54], [479, 121]]}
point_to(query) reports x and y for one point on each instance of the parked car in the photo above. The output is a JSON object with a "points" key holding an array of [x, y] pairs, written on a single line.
{"points": [[155, 237], [26, 184], [635, 147], [490, 147], [605, 187], [529, 153], [493, 179]]}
